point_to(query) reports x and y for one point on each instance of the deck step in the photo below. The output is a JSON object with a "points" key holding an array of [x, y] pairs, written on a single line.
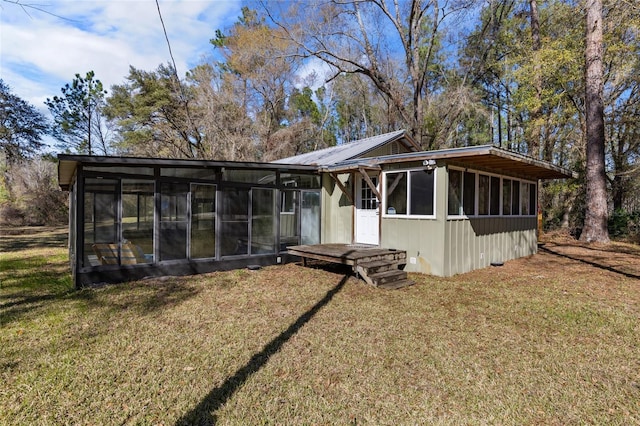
{"points": [[397, 284], [398, 256], [384, 272], [375, 266], [386, 277]]}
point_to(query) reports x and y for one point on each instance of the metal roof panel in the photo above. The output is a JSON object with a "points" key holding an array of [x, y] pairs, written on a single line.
{"points": [[343, 152]]}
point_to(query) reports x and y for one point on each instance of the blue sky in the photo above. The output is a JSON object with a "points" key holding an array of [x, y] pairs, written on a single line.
{"points": [[40, 52]]}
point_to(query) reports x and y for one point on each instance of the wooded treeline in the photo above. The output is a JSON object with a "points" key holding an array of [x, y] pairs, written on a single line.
{"points": [[453, 73]]}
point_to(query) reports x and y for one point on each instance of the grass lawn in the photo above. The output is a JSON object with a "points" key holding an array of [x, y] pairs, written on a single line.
{"points": [[550, 339]]}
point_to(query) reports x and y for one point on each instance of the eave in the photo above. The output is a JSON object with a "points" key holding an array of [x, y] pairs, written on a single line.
{"points": [[485, 158], [68, 164]]}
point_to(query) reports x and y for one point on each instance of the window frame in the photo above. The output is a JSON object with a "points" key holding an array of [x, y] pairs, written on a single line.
{"points": [[515, 203], [408, 215]]}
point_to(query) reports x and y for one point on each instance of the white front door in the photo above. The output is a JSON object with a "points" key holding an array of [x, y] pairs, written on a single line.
{"points": [[367, 221]]}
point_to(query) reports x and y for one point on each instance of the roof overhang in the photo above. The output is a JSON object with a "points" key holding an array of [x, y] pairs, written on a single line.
{"points": [[486, 158], [68, 164]]}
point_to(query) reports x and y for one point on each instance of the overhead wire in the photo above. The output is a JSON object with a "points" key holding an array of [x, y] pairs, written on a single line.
{"points": [[175, 72]]}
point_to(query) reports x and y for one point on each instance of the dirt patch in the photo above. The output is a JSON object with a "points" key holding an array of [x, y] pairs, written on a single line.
{"points": [[617, 257]]}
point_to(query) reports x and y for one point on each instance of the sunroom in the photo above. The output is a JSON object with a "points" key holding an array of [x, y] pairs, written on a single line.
{"points": [[132, 218]]}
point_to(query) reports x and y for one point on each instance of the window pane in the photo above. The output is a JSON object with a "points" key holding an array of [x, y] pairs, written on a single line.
{"points": [[124, 170], [288, 204], [515, 198], [265, 177], [524, 197], [422, 192], [368, 200], [483, 195], [532, 198], [454, 206], [396, 193], [469, 197], [495, 195], [263, 231], [193, 173], [289, 211], [295, 180], [72, 221], [173, 221], [100, 226], [310, 215], [137, 219], [203, 221], [234, 222], [506, 196]]}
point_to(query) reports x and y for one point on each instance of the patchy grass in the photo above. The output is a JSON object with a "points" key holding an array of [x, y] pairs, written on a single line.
{"points": [[542, 340]]}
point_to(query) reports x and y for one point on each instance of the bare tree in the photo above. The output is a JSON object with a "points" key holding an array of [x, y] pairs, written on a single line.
{"points": [[221, 116], [360, 36]]}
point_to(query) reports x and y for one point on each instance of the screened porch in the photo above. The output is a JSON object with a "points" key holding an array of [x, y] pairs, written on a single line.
{"points": [[132, 218]]}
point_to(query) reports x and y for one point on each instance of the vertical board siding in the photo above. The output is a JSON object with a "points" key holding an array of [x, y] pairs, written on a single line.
{"points": [[422, 239], [386, 149], [476, 243], [337, 212]]}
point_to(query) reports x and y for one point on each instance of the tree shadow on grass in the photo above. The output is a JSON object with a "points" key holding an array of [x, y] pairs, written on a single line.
{"points": [[204, 412], [31, 237], [17, 308], [56, 290], [143, 297], [332, 267], [545, 249]]}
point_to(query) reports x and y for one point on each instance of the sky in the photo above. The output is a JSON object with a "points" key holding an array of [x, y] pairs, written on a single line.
{"points": [[42, 50]]}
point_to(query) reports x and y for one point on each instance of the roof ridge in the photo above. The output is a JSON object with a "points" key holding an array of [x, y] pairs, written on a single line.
{"points": [[358, 141], [343, 151], [376, 136]]}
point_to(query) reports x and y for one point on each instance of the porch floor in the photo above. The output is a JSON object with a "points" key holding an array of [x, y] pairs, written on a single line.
{"points": [[378, 266]]}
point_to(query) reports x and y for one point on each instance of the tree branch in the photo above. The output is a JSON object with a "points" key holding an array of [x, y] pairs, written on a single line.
{"points": [[25, 6]]}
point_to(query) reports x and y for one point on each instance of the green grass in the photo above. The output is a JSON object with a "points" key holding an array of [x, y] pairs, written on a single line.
{"points": [[542, 340]]}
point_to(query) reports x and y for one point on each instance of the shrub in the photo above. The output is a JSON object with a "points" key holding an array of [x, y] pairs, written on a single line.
{"points": [[32, 195], [625, 225]]}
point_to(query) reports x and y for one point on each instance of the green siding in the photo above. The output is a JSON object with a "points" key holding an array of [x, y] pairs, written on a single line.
{"points": [[439, 246], [386, 149], [447, 247], [475, 243], [337, 211], [423, 239]]}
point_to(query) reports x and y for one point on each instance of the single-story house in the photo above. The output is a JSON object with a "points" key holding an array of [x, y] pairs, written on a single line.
{"points": [[451, 210]]}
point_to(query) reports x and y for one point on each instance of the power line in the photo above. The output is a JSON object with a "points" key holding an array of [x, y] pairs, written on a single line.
{"points": [[166, 36], [175, 70]]}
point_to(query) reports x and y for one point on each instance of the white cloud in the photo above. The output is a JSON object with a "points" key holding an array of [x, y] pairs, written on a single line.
{"points": [[313, 73], [40, 52]]}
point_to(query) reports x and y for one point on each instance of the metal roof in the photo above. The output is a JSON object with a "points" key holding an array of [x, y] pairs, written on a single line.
{"points": [[67, 165], [344, 158], [349, 150]]}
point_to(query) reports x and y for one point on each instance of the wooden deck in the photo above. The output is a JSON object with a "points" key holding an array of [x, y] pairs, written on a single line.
{"points": [[378, 266]]}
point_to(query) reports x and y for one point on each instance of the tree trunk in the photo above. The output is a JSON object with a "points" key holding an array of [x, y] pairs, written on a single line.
{"points": [[617, 192], [536, 112], [596, 214]]}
